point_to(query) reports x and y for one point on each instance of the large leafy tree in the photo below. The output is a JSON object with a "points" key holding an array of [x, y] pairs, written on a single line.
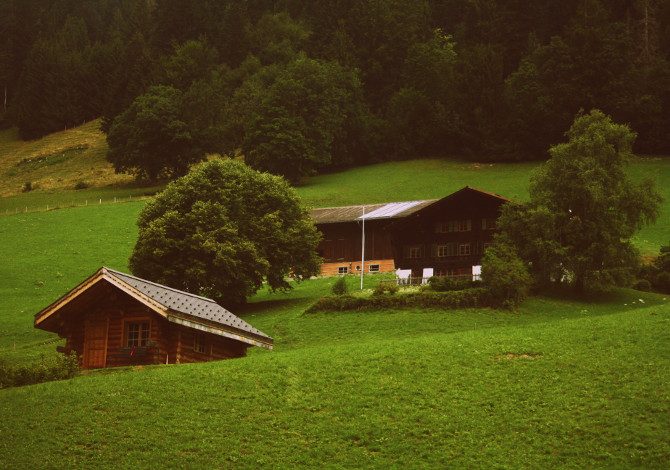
{"points": [[592, 205], [151, 138], [222, 230]]}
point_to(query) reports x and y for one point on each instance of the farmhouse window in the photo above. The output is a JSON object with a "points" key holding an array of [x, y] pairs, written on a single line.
{"points": [[442, 227], [199, 343], [374, 268], [464, 249], [137, 334], [464, 225], [342, 270], [414, 251], [488, 224], [446, 250]]}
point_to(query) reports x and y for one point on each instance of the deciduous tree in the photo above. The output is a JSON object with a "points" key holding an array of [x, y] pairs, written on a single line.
{"points": [[151, 138], [223, 229], [597, 208]]}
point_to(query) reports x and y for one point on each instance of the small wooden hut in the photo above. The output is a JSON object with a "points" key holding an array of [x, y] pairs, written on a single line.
{"points": [[115, 319]]}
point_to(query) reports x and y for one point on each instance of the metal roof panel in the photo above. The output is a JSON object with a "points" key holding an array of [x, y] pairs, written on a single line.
{"points": [[187, 303], [389, 210]]}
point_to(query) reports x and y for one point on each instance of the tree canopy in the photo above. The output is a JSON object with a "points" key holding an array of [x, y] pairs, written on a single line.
{"points": [[151, 138], [224, 229], [495, 80], [584, 209]]}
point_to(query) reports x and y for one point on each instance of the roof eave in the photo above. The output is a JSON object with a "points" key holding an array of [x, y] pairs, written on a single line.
{"points": [[232, 333]]}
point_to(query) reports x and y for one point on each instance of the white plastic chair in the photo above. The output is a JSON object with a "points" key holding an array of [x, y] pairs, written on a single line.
{"points": [[427, 274]]}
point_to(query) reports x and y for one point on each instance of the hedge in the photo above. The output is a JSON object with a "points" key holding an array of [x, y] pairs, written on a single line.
{"points": [[52, 368], [475, 297]]}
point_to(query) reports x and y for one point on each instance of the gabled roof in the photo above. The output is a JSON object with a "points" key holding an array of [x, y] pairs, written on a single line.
{"points": [[175, 305], [390, 210]]}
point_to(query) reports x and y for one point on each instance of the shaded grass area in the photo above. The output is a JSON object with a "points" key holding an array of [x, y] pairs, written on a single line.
{"points": [[41, 201], [553, 386], [559, 383]]}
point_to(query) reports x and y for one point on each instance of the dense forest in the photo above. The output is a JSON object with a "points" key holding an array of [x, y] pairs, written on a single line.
{"points": [[299, 86]]}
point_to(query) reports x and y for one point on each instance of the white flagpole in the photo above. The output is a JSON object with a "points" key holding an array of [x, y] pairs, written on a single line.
{"points": [[363, 248]]}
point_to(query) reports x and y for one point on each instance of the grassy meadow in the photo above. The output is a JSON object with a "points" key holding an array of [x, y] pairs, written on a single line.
{"points": [[560, 383], [57, 161]]}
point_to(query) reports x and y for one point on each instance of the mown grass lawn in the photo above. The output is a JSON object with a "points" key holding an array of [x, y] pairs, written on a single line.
{"points": [[557, 384]]}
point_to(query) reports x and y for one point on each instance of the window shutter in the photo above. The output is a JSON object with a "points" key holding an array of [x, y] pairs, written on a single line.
{"points": [[433, 250]]}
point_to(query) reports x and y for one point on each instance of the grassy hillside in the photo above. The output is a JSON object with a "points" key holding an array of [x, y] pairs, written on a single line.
{"points": [[57, 161], [557, 384], [560, 383]]}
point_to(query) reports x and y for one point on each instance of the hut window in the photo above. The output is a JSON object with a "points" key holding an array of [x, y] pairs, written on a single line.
{"points": [[374, 268], [464, 225], [342, 270], [199, 343], [137, 334]]}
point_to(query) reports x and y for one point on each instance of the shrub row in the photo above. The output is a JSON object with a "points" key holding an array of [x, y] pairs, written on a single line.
{"points": [[53, 368], [475, 297], [445, 284]]}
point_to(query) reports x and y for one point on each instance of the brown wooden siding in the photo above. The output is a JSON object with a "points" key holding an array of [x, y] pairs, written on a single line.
{"points": [[164, 336], [388, 242], [341, 246], [423, 230]]}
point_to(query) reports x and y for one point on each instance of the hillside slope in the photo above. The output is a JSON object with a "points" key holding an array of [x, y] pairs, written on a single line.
{"points": [[560, 384], [57, 161]]}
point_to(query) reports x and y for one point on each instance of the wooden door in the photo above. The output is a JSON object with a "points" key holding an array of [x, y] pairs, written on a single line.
{"points": [[95, 342]]}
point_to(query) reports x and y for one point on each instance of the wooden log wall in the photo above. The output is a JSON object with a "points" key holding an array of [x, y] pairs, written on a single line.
{"points": [[170, 342]]}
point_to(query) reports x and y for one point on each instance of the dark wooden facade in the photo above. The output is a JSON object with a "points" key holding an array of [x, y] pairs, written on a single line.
{"points": [[341, 247], [108, 327], [448, 235]]}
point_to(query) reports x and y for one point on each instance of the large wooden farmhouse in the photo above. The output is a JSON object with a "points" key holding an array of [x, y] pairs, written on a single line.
{"points": [[115, 319], [444, 236]]}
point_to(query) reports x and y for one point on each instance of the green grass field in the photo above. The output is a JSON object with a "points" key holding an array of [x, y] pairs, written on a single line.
{"points": [[557, 384], [561, 383]]}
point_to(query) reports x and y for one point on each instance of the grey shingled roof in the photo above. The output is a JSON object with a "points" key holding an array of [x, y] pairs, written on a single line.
{"points": [[185, 302], [390, 210]]}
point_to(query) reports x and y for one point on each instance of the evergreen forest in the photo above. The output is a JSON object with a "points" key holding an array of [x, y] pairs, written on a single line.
{"points": [[300, 87]]}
